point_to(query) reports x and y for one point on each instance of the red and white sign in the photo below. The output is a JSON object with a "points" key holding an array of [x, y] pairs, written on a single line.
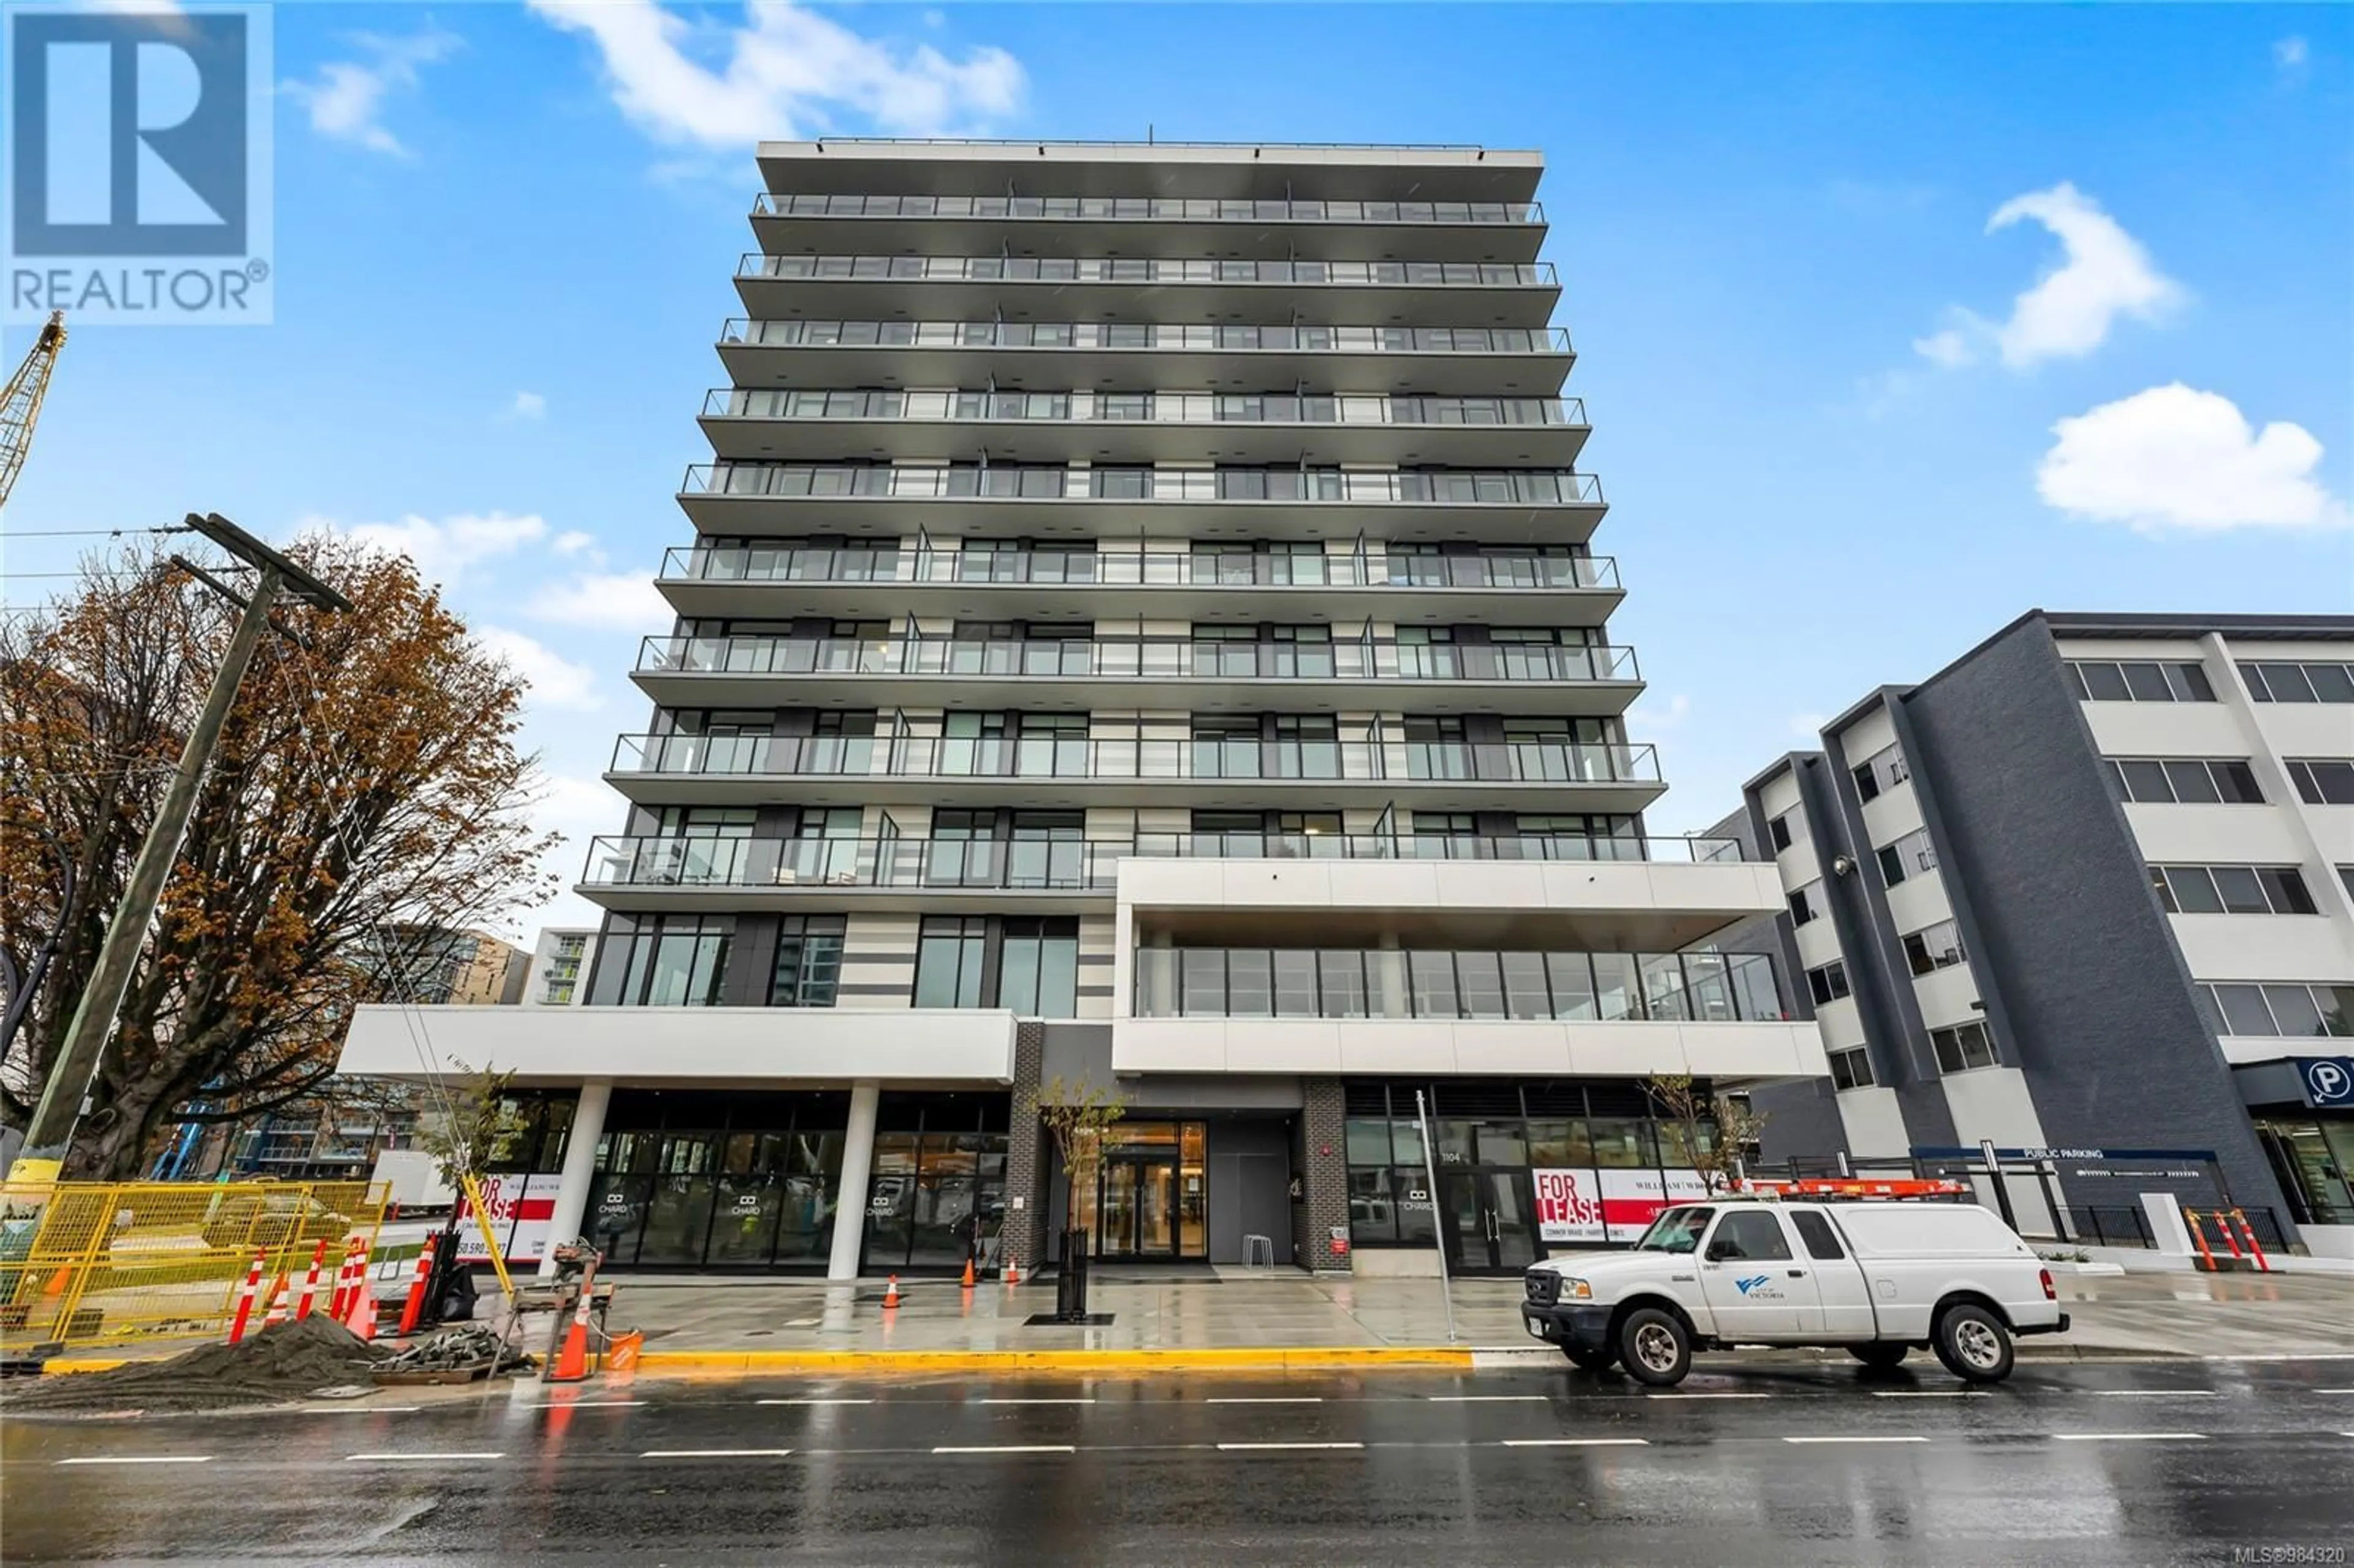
{"points": [[1569, 1206], [1607, 1205], [521, 1209], [1632, 1200]]}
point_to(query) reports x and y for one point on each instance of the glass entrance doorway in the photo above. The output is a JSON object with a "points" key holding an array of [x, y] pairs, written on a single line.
{"points": [[1488, 1220], [1149, 1197], [1140, 1206]]}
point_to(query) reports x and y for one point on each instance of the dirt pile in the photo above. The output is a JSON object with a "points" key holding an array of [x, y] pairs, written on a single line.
{"points": [[276, 1364]]}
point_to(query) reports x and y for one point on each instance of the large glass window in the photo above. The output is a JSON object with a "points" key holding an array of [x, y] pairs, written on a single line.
{"points": [[668, 960], [809, 961], [950, 953], [1038, 971]]}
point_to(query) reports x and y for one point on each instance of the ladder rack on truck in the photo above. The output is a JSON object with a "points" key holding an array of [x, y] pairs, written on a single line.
{"points": [[1832, 1189]]}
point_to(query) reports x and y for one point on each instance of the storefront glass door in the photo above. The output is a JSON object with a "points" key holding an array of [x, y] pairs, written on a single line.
{"points": [[1140, 1206], [1487, 1220]]}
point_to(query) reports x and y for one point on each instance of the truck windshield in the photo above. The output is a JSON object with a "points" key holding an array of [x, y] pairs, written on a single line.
{"points": [[1678, 1230]]}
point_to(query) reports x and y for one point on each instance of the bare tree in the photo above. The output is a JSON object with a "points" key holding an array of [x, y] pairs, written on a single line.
{"points": [[1712, 1127], [367, 777]]}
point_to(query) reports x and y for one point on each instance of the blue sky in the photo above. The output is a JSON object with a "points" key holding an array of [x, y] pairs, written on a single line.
{"points": [[1830, 427]]}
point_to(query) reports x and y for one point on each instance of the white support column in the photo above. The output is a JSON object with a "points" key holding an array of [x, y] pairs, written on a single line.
{"points": [[580, 1168], [857, 1170]]}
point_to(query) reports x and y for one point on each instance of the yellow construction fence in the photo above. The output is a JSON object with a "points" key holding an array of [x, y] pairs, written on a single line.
{"points": [[104, 1262]]}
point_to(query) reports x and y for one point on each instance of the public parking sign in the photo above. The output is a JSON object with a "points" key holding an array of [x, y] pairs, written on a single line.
{"points": [[2328, 1080]]}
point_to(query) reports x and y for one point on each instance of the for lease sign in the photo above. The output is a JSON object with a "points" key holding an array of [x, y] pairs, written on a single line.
{"points": [[1580, 1205]]}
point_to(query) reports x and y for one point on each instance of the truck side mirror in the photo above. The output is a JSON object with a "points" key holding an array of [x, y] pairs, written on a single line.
{"points": [[1721, 1249]]}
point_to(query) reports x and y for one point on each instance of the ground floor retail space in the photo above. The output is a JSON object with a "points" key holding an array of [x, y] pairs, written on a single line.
{"points": [[868, 1180]]}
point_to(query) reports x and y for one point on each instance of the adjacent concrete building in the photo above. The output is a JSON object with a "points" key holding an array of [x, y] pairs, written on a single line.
{"points": [[1140, 628], [2088, 889]]}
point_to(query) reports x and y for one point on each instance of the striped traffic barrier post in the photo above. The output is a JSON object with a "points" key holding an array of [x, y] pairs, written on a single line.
{"points": [[415, 1306], [245, 1301], [310, 1283]]}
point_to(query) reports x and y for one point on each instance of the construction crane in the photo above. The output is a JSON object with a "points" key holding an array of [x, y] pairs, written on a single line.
{"points": [[22, 405]]}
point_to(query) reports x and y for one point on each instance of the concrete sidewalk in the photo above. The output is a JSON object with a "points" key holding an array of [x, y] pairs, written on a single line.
{"points": [[688, 1322]]}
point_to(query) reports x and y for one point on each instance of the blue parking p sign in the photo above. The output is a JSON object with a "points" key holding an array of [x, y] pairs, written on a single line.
{"points": [[2328, 1080]]}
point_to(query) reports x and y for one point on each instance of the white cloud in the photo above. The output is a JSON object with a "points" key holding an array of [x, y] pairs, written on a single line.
{"points": [[527, 406], [445, 549], [617, 601], [2103, 273], [2290, 53], [346, 102], [1654, 719], [2173, 458], [779, 75], [555, 681]]}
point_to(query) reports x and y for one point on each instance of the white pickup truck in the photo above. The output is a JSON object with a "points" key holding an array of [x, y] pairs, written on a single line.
{"points": [[1878, 1279]]}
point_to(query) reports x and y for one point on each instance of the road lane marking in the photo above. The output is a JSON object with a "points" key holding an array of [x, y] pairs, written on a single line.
{"points": [[1577, 1442], [1859, 1437], [585, 1404], [715, 1453], [141, 1460], [1486, 1398], [2156, 1392], [359, 1409], [1009, 1449], [1930, 1394], [1705, 1396], [2129, 1436], [2334, 1391], [813, 1402], [410, 1459], [1089, 1399], [1255, 1448], [1266, 1399]]}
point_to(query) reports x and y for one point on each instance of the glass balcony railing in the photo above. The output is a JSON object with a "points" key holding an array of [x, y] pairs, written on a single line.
{"points": [[1145, 658], [1144, 336], [1067, 863], [771, 203], [1701, 987], [1137, 408], [1155, 568], [1147, 270], [1074, 758], [1051, 481]]}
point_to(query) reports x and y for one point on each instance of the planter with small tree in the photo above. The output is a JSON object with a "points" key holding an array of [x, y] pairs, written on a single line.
{"points": [[1077, 1115]]}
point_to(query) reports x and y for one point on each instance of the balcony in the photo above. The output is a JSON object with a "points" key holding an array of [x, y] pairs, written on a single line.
{"points": [[1029, 287], [1533, 1012], [1145, 426], [1538, 506], [658, 874], [1050, 770], [1043, 354], [779, 581], [1193, 674]]}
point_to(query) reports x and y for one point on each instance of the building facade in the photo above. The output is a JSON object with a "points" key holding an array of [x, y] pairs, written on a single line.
{"points": [[1140, 629], [2088, 889], [557, 974]]}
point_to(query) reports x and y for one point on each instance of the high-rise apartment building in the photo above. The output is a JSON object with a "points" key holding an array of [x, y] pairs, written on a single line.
{"points": [[2087, 891], [1140, 629]]}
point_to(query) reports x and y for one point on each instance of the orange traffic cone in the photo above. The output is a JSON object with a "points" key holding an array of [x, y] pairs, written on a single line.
{"points": [[967, 1274], [891, 1295], [1012, 1272], [361, 1320], [56, 1285], [572, 1362], [278, 1290]]}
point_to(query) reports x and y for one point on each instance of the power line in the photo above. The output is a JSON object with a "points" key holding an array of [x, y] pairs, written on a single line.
{"points": [[7, 534]]}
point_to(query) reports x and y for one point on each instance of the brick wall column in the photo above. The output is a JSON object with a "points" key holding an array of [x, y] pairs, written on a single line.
{"points": [[1323, 1177], [1025, 1235]]}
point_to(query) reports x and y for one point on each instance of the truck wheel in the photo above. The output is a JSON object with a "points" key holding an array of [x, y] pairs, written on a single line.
{"points": [[1591, 1361], [1880, 1354], [1973, 1345], [1654, 1347]]}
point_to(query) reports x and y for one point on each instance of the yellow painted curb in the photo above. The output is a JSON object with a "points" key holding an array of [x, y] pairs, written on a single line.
{"points": [[1264, 1357]]}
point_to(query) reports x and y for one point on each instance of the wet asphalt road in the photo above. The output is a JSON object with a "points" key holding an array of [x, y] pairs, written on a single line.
{"points": [[2121, 1463]]}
